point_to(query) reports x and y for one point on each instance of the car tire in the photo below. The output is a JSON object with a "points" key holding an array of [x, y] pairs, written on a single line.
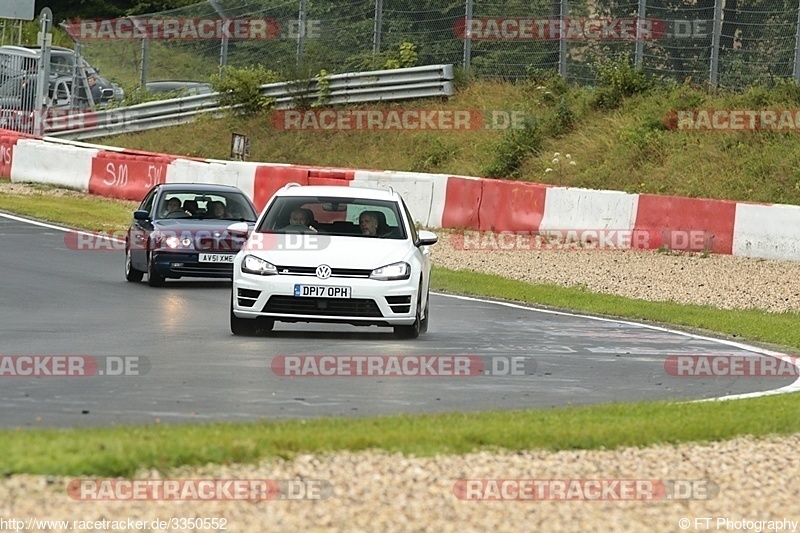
{"points": [[153, 277], [423, 325], [131, 274], [412, 331], [264, 324], [245, 327]]}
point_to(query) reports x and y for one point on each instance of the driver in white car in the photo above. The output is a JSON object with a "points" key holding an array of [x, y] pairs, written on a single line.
{"points": [[301, 217]]}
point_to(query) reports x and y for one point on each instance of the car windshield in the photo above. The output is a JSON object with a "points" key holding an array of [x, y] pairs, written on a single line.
{"points": [[205, 205], [353, 217]]}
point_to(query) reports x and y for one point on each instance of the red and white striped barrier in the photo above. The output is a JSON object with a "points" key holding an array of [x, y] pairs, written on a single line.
{"points": [[436, 200]]}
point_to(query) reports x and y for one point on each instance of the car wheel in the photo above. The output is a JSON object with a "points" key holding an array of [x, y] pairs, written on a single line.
{"points": [[131, 274], [243, 326], [412, 331], [264, 324], [153, 278], [423, 326]]}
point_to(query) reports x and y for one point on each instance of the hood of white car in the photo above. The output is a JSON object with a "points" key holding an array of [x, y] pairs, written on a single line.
{"points": [[334, 251]]}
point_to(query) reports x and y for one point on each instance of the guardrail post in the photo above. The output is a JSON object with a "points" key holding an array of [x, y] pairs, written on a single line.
{"points": [[467, 35], [376, 32], [301, 35], [715, 40]]}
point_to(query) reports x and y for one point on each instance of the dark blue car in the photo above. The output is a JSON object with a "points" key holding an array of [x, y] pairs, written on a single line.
{"points": [[182, 229]]}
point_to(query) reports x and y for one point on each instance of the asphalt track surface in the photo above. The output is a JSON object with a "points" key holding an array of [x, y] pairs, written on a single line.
{"points": [[58, 301]]}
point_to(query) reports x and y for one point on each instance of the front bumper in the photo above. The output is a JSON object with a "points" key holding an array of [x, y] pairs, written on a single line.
{"points": [[371, 302], [186, 264]]}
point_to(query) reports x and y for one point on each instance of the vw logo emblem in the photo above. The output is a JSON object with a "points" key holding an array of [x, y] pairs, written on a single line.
{"points": [[323, 271]]}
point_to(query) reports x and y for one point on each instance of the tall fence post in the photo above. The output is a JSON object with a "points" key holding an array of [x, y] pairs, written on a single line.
{"points": [[145, 61], [639, 55], [715, 43], [467, 35], [376, 32], [796, 71], [301, 37], [223, 49], [43, 75], [562, 42]]}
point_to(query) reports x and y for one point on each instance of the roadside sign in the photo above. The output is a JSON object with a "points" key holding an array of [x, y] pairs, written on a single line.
{"points": [[19, 10], [240, 147]]}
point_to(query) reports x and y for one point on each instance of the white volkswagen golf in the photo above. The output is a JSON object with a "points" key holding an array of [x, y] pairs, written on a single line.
{"points": [[333, 254]]}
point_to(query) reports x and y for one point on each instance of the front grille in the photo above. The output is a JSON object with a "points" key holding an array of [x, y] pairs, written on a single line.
{"points": [[312, 271], [203, 267], [218, 244], [247, 297], [399, 304], [290, 305]]}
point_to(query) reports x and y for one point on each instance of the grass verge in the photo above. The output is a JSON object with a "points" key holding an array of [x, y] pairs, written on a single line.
{"points": [[124, 451]]}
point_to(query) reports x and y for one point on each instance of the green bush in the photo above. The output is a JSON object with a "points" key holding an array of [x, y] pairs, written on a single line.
{"points": [[407, 57], [242, 87], [511, 150], [431, 153], [618, 79], [562, 120]]}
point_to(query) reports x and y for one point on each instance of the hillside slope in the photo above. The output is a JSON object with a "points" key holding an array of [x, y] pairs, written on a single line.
{"points": [[626, 147]]}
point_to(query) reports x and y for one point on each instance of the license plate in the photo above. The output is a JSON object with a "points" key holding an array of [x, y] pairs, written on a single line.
{"points": [[217, 258], [322, 291]]}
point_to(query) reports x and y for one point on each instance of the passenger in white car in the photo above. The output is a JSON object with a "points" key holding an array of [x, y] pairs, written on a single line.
{"points": [[368, 222]]}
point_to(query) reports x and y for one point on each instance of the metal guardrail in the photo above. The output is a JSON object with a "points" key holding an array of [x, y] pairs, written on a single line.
{"points": [[351, 88]]}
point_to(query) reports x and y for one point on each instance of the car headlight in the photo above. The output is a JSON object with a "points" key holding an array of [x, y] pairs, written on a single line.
{"points": [[400, 270], [253, 265], [175, 242]]}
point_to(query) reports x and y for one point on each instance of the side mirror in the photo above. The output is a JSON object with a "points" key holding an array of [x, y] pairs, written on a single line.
{"points": [[141, 214], [239, 229], [107, 93], [426, 238]]}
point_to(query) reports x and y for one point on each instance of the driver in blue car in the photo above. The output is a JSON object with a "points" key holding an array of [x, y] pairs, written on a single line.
{"points": [[173, 205]]}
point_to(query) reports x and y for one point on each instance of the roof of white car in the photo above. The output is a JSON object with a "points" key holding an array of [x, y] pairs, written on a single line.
{"points": [[337, 192]]}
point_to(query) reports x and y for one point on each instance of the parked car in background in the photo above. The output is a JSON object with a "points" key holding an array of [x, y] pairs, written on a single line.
{"points": [[17, 61], [179, 88]]}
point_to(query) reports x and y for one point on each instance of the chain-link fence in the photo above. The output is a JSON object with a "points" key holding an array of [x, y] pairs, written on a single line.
{"points": [[731, 43]]}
